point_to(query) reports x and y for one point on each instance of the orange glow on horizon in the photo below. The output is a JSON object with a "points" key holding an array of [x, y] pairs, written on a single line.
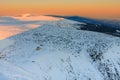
{"points": [[87, 8]]}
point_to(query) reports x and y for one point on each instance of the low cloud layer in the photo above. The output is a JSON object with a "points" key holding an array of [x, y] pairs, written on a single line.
{"points": [[13, 25]]}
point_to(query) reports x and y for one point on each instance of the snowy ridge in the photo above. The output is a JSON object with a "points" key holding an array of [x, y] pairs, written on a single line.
{"points": [[58, 51]]}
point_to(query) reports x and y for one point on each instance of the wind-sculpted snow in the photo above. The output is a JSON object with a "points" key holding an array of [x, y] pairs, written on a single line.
{"points": [[58, 51]]}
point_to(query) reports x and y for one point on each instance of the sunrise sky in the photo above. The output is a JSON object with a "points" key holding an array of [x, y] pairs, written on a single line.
{"points": [[87, 8]]}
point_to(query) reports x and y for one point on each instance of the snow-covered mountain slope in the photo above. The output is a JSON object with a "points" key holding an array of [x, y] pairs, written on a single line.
{"points": [[106, 26], [58, 51]]}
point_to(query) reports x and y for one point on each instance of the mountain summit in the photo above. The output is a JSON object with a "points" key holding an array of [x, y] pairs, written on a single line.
{"points": [[60, 51]]}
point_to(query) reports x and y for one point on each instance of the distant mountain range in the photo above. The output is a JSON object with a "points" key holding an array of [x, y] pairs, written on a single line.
{"points": [[111, 27]]}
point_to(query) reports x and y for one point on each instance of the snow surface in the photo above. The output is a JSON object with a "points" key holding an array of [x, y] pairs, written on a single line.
{"points": [[58, 51], [5, 43]]}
